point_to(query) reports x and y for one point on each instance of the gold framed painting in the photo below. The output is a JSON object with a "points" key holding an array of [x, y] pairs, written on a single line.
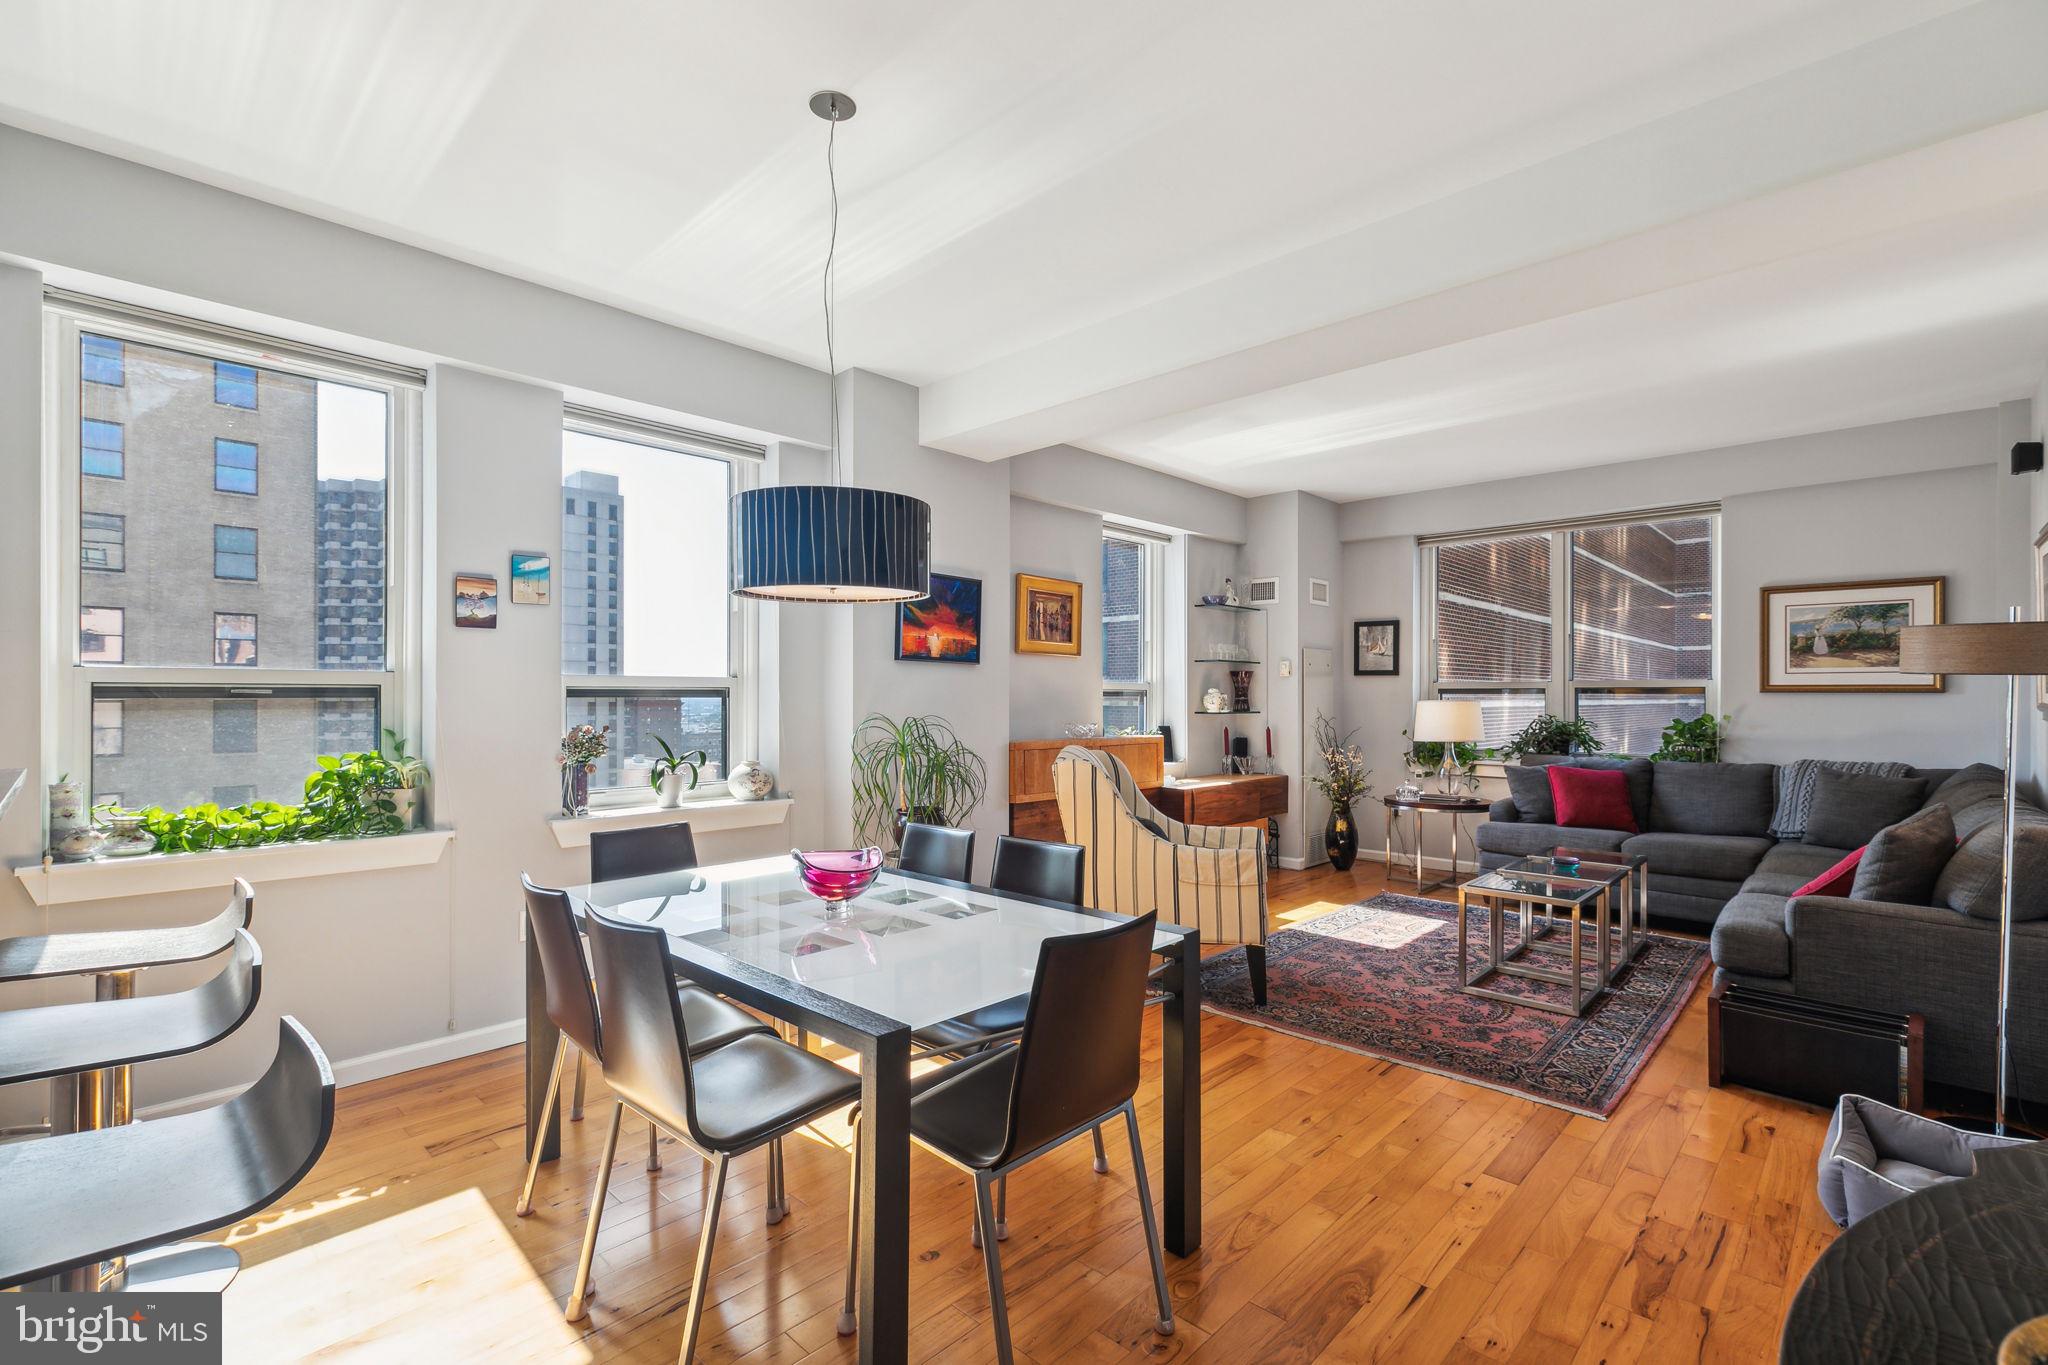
{"points": [[1048, 615], [1844, 637]]}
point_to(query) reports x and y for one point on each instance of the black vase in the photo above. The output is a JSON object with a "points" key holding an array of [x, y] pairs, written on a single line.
{"points": [[1340, 838]]}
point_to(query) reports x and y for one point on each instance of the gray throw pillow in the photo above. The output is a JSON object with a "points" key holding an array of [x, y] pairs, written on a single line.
{"points": [[1712, 798], [1849, 809], [1530, 788], [1795, 789], [1970, 881], [1975, 797], [1903, 862]]}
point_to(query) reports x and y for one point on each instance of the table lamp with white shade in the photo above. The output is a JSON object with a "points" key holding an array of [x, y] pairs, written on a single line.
{"points": [[1449, 723], [2012, 649]]}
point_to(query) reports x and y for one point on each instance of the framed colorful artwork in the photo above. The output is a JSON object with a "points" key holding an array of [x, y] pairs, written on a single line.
{"points": [[476, 601], [1844, 637], [532, 579], [944, 627], [1376, 648], [1048, 615]]}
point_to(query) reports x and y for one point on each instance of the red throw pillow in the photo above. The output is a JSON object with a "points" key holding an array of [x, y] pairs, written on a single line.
{"points": [[1592, 798], [1837, 880]]}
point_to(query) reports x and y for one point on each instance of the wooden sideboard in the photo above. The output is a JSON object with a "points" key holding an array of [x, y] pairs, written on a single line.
{"points": [[1224, 799], [1035, 813]]}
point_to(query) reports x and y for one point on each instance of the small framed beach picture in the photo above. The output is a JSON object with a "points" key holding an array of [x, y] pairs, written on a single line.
{"points": [[476, 601], [532, 578], [1844, 637]]}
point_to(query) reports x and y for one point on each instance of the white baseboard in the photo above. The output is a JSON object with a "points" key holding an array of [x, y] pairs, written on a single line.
{"points": [[1379, 855], [1300, 864], [373, 1066]]}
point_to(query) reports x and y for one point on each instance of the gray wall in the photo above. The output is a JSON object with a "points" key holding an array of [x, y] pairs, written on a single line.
{"points": [[1049, 692]]}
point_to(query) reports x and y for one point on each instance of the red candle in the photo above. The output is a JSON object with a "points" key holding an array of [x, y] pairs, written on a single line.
{"points": [[1269, 741]]}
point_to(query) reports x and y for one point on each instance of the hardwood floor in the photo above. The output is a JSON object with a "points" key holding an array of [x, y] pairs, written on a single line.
{"points": [[1356, 1210]]}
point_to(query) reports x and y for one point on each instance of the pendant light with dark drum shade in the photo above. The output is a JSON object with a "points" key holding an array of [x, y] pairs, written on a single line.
{"points": [[830, 542]]}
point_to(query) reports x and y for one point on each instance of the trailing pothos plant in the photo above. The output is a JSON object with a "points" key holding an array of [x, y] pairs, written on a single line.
{"points": [[347, 797], [916, 768], [1693, 741]]}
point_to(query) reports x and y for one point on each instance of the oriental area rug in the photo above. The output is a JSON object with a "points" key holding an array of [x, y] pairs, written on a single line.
{"points": [[1381, 978]]}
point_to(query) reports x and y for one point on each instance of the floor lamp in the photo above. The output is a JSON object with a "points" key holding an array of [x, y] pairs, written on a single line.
{"points": [[2012, 651]]}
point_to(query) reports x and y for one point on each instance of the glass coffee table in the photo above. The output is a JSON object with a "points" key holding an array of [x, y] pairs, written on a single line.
{"points": [[1557, 888], [1631, 878]]}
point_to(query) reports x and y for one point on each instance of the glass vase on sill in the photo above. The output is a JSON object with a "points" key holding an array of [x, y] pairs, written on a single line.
{"points": [[575, 789]]}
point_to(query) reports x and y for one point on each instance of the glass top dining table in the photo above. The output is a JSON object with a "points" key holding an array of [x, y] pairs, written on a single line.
{"points": [[908, 952]]}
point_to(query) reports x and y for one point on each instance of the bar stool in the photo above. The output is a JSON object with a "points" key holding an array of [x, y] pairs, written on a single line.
{"points": [[79, 1200], [112, 958]]}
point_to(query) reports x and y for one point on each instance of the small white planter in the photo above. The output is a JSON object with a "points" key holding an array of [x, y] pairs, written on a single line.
{"points": [[669, 794], [407, 799]]}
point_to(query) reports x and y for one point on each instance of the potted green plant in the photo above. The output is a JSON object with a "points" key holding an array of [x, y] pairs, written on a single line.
{"points": [[1342, 781], [1693, 741], [913, 769], [667, 775], [1548, 734], [409, 772]]}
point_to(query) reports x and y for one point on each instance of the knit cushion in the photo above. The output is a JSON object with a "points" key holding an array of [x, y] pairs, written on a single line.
{"points": [[1591, 798], [1795, 789]]}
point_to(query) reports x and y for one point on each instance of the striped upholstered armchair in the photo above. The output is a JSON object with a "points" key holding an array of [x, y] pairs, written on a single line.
{"points": [[1209, 877]]}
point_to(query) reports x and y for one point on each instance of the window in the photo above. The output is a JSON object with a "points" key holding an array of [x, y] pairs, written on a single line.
{"points": [[234, 639], [100, 360], [303, 602], [672, 660], [1131, 649], [234, 552], [100, 631], [102, 541], [234, 386], [234, 466], [1611, 623], [102, 449], [234, 727], [106, 729]]}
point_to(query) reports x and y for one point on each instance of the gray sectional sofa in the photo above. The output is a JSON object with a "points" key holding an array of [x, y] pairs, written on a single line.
{"points": [[1715, 862]]}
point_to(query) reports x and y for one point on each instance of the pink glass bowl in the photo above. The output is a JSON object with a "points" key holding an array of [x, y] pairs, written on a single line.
{"points": [[836, 877]]}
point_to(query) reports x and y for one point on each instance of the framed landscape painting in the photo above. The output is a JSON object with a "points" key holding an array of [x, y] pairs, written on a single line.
{"points": [[476, 601], [1376, 648], [1844, 637], [1048, 615], [944, 627]]}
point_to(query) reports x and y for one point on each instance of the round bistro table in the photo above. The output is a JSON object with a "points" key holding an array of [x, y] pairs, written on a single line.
{"points": [[1453, 806]]}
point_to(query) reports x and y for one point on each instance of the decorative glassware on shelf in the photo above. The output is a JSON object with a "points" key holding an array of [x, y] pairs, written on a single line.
{"points": [[125, 836], [1084, 730], [838, 876]]}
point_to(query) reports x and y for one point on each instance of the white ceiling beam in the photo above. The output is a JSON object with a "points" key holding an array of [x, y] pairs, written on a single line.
{"points": [[1921, 124]]}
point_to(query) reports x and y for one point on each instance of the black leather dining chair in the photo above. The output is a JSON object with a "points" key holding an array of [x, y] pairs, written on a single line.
{"points": [[1074, 1067], [78, 1200], [573, 1008], [620, 853], [724, 1102], [1024, 867], [938, 851], [616, 855]]}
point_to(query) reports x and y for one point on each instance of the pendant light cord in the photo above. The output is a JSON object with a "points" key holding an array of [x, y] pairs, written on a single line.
{"points": [[831, 250]]}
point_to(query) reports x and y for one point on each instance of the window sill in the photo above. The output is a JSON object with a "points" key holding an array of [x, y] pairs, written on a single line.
{"points": [[575, 831], [156, 873]]}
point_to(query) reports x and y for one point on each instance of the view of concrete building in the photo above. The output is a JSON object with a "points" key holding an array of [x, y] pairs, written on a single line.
{"points": [[591, 586], [208, 541]]}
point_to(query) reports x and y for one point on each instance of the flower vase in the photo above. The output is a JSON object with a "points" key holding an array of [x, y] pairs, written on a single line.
{"points": [[1340, 838], [575, 789]]}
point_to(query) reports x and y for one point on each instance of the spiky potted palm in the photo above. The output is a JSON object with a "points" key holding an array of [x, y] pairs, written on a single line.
{"points": [[913, 769]]}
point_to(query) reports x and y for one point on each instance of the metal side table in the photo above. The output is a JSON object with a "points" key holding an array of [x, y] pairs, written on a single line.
{"points": [[1453, 806]]}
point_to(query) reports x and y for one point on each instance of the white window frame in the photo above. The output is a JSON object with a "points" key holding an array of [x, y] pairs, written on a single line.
{"points": [[741, 684], [1154, 594], [67, 721], [1560, 688]]}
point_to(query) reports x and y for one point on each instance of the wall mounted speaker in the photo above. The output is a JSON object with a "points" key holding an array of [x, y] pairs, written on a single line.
{"points": [[2026, 457]]}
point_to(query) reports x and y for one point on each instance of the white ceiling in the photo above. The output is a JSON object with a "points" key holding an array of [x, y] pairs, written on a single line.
{"points": [[1353, 246]]}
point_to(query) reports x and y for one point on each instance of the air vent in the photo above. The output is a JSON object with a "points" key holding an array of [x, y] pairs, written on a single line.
{"points": [[1319, 592], [1262, 592]]}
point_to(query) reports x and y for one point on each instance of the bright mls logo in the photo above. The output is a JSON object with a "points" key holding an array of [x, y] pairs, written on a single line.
{"points": [[170, 1329]]}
